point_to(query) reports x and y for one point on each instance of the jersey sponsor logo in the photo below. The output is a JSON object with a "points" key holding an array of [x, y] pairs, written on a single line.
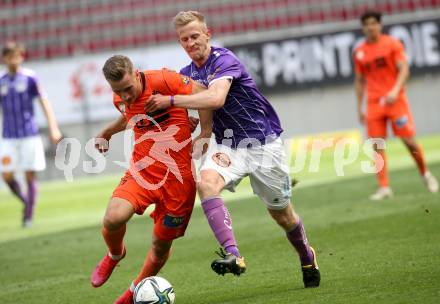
{"points": [[401, 121], [143, 123], [221, 159], [211, 76], [380, 62], [173, 221]]}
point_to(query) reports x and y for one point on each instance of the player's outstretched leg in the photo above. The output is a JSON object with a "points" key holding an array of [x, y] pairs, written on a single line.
{"points": [[210, 185], [220, 221], [296, 235], [118, 212], [156, 258]]}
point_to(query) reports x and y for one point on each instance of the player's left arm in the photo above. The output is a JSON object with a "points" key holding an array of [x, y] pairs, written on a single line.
{"points": [[37, 91], [54, 131], [403, 72]]}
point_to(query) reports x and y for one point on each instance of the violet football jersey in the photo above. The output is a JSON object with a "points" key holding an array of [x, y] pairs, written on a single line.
{"points": [[246, 113], [17, 95]]}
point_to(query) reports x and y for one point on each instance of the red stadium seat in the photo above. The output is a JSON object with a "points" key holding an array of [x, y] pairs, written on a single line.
{"points": [[102, 25]]}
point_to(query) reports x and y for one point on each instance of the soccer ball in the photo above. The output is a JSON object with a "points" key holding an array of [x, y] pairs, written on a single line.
{"points": [[153, 290]]}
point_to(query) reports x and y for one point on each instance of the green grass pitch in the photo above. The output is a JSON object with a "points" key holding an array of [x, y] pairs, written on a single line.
{"points": [[368, 252]]}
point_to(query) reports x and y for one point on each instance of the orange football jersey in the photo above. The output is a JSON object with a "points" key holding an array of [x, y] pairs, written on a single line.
{"points": [[162, 139], [377, 62]]}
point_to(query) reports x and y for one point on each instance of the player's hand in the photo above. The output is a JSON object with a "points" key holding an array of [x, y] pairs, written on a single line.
{"points": [[200, 146], [56, 136], [193, 123], [361, 117], [102, 142], [157, 102], [391, 97]]}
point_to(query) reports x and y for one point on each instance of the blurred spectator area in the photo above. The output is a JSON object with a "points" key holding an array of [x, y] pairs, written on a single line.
{"points": [[56, 28]]}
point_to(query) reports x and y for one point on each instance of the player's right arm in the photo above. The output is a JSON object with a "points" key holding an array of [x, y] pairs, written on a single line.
{"points": [[227, 69], [103, 137], [211, 99]]}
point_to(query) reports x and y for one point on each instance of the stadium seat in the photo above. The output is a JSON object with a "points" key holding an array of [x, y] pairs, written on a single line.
{"points": [[96, 25]]}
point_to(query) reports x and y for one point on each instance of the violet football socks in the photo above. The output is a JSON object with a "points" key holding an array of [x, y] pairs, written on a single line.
{"points": [[15, 188], [297, 237], [221, 223], [31, 199]]}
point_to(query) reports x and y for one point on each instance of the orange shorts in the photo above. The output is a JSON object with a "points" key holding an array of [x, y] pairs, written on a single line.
{"points": [[173, 201], [398, 113]]}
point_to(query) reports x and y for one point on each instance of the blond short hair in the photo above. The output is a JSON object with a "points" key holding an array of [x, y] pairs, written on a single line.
{"points": [[116, 67], [185, 17]]}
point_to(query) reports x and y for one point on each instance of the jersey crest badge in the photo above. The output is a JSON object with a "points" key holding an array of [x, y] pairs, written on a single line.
{"points": [[4, 90], [185, 80]]}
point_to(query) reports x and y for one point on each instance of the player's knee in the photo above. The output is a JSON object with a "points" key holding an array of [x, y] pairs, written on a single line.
{"points": [[284, 218], [208, 187], [8, 177], [411, 144], [30, 176], [113, 220], [284, 222]]}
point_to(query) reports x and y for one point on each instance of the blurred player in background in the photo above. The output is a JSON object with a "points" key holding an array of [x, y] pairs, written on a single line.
{"points": [[160, 170], [381, 71], [21, 147], [247, 131]]}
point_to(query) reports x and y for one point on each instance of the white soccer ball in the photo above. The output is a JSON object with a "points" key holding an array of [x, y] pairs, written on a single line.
{"points": [[154, 290]]}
